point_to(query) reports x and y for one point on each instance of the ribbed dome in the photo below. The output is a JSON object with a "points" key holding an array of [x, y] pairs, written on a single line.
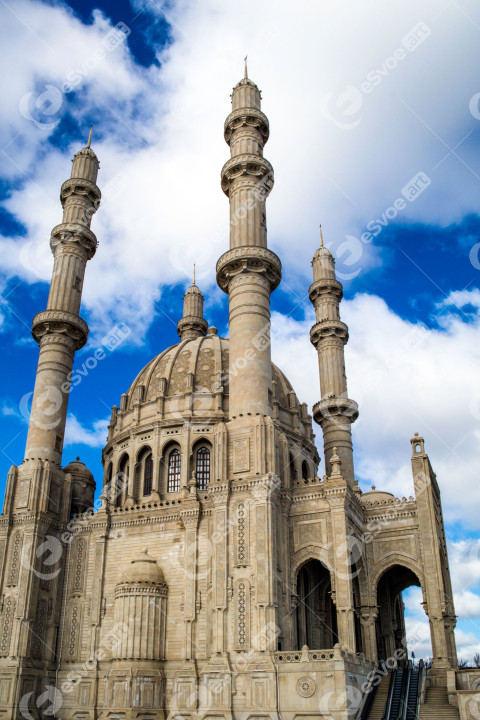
{"points": [[144, 569], [202, 362]]}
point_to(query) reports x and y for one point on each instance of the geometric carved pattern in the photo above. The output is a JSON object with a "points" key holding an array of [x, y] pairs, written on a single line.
{"points": [[78, 566], [260, 551], [8, 613], [241, 452], [306, 686], [39, 631], [178, 380], [15, 559], [204, 370], [241, 546], [74, 630], [242, 599]]}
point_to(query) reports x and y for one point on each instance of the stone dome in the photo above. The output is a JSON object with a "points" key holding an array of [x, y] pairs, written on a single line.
{"points": [[83, 486], [377, 497], [79, 469], [200, 365], [187, 385], [143, 570]]}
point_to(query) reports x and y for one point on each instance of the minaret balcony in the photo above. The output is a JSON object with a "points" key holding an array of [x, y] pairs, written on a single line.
{"points": [[335, 409], [323, 287], [80, 186], [254, 166], [60, 322], [250, 117], [71, 233], [327, 329], [248, 260]]}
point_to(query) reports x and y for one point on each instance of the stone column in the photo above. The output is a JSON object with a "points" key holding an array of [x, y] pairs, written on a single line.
{"points": [[368, 618]]}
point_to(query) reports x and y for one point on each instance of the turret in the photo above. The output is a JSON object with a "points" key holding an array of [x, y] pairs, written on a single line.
{"points": [[192, 325], [335, 412], [248, 272], [59, 330]]}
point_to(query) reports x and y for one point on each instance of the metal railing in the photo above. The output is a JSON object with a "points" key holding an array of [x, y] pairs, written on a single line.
{"points": [[388, 706]]}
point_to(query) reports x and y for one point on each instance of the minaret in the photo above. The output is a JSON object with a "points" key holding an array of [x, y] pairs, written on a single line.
{"points": [[59, 330], [192, 325], [335, 412], [248, 272]]}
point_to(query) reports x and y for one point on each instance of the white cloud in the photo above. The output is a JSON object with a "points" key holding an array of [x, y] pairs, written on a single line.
{"points": [[77, 434], [163, 133]]}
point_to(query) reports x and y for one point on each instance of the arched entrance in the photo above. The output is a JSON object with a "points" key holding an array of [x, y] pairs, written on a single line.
{"points": [[316, 613], [390, 624]]}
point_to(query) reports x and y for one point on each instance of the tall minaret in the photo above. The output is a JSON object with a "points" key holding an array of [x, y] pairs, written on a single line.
{"points": [[248, 272], [335, 412], [59, 330]]}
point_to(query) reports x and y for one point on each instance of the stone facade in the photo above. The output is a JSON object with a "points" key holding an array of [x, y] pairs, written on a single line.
{"points": [[220, 577]]}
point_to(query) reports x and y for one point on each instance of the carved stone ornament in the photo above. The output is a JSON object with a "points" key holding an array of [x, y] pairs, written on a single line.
{"points": [[62, 323], [253, 165], [70, 233], [249, 259], [328, 328], [246, 117], [306, 686]]}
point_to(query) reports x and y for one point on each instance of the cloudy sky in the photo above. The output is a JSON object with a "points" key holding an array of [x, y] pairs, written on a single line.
{"points": [[365, 100]]}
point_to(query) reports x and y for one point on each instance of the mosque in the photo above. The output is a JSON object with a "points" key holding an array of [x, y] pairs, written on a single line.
{"points": [[221, 576]]}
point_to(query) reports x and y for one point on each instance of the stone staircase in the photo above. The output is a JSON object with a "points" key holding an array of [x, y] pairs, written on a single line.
{"points": [[380, 699], [436, 706]]}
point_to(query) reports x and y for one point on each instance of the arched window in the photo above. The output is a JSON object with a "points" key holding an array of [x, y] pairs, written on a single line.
{"points": [[202, 469], [304, 471], [148, 475], [174, 465], [107, 488], [293, 472], [121, 487]]}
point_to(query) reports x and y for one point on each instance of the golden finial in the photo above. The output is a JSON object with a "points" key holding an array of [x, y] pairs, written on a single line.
{"points": [[246, 72], [193, 283], [321, 237], [90, 136]]}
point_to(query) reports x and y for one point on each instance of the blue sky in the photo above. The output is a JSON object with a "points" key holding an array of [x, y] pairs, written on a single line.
{"points": [[362, 102]]}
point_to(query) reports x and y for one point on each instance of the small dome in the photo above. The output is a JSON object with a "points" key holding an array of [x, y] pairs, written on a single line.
{"points": [[379, 497], [76, 467], [322, 252], [144, 569], [86, 151]]}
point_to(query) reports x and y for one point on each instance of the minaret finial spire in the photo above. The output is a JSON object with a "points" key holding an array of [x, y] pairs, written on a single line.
{"points": [[90, 136], [321, 236], [193, 283], [246, 71]]}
